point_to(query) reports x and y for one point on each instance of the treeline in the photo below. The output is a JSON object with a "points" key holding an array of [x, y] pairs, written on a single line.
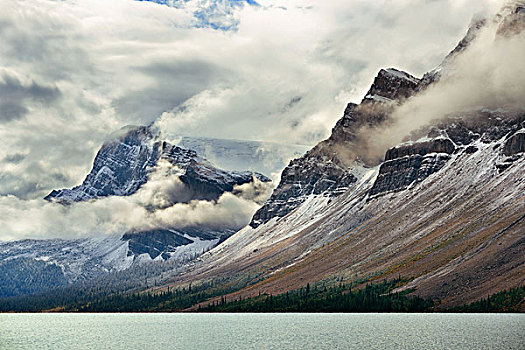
{"points": [[25, 276], [134, 279], [512, 300], [341, 298], [171, 299]]}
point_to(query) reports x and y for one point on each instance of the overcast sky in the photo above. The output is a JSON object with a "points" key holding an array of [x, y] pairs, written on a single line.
{"points": [[73, 72]]}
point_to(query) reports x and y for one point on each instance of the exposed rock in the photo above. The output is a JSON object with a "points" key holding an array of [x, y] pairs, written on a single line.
{"points": [[421, 148], [412, 163], [301, 178], [164, 243], [122, 166], [154, 242], [515, 144], [391, 84], [201, 178], [471, 149], [119, 169]]}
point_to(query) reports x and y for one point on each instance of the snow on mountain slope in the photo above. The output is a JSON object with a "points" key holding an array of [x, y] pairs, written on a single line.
{"points": [[122, 167], [336, 164], [458, 231], [445, 207], [68, 261]]}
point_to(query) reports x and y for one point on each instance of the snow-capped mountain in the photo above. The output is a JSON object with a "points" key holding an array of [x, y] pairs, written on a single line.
{"points": [[330, 169], [121, 167], [444, 208]]}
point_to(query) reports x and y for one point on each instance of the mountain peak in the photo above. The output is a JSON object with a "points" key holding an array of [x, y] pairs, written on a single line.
{"points": [[122, 166], [391, 84]]}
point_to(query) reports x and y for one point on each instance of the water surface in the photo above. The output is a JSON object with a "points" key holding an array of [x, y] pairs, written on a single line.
{"points": [[262, 331]]}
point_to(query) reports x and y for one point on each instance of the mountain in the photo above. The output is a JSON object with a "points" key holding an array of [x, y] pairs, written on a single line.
{"points": [[122, 167], [333, 167], [444, 208], [442, 213]]}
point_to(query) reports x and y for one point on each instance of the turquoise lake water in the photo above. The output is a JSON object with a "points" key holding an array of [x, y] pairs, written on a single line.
{"points": [[262, 331]]}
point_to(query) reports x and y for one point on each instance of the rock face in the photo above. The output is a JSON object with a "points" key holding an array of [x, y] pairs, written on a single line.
{"points": [[414, 161], [515, 144], [119, 169], [165, 243], [333, 166], [201, 178], [154, 242], [122, 166], [407, 164], [392, 84]]}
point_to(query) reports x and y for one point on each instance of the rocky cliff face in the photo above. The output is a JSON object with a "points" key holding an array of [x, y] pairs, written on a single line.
{"points": [[122, 166], [391, 84], [515, 144], [336, 164], [411, 163], [119, 169]]}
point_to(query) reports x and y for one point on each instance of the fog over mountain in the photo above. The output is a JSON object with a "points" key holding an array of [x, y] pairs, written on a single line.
{"points": [[73, 72]]}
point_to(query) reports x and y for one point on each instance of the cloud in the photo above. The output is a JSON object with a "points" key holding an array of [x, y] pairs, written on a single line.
{"points": [[152, 206], [489, 74], [79, 70], [16, 94]]}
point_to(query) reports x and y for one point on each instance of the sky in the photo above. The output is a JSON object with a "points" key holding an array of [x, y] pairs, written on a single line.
{"points": [[74, 72]]}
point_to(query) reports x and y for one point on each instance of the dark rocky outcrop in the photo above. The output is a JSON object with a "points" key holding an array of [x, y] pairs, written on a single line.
{"points": [[392, 84], [412, 162], [154, 242], [397, 174], [120, 168], [439, 145], [514, 144], [162, 242]]}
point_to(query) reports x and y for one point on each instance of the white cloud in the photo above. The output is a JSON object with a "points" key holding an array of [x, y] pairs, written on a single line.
{"points": [[489, 74], [286, 74], [152, 206]]}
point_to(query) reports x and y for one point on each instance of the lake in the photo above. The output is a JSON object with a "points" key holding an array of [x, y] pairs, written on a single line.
{"points": [[262, 331]]}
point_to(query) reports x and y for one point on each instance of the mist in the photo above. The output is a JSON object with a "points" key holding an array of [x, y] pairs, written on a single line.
{"points": [[489, 74], [154, 205], [72, 72]]}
